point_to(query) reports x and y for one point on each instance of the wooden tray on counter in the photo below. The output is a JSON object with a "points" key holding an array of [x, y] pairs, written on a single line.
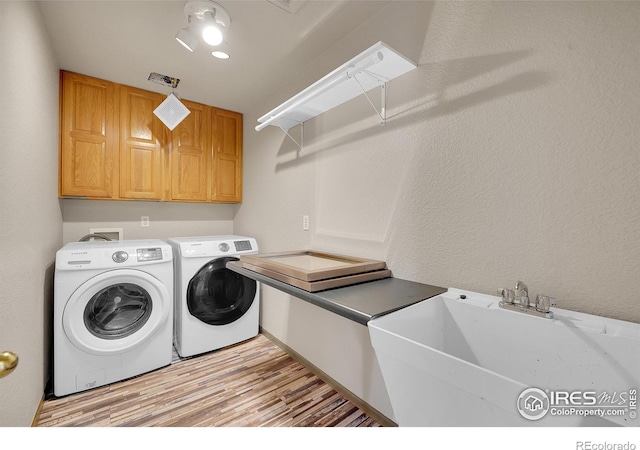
{"points": [[315, 271]]}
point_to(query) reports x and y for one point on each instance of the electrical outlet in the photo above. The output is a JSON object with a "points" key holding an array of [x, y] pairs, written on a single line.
{"points": [[305, 223], [144, 221]]}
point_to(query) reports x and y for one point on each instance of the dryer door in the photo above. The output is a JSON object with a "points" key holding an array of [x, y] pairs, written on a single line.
{"points": [[219, 296], [116, 311]]}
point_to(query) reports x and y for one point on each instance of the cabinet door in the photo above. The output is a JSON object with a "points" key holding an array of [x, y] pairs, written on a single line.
{"points": [[88, 156], [141, 145], [191, 155], [227, 156]]}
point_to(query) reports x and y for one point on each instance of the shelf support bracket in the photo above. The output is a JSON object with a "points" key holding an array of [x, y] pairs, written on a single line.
{"points": [[383, 97], [299, 144]]}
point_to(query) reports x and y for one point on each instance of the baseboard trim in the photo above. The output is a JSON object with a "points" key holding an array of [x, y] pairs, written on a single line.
{"points": [[367, 408], [36, 418]]}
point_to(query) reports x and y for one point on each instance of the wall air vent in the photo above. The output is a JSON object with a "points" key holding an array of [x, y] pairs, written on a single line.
{"points": [[171, 111]]}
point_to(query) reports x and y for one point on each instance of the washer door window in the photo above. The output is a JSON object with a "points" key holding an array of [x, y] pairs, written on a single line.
{"points": [[219, 296], [116, 311]]}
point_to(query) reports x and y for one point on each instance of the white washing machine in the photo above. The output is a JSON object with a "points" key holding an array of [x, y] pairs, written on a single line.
{"points": [[113, 310], [214, 306]]}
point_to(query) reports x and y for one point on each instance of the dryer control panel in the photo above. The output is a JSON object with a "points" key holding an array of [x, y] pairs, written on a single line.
{"points": [[242, 246], [212, 246]]}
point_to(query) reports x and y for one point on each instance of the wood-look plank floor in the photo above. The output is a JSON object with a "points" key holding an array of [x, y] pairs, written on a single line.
{"points": [[251, 384]]}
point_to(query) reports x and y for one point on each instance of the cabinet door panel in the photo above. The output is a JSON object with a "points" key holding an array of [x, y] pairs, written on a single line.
{"points": [[141, 145], [88, 159], [226, 186], [87, 154], [227, 156], [190, 155]]}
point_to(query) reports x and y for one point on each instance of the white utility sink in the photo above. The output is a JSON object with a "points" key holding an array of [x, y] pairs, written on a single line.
{"points": [[448, 361]]}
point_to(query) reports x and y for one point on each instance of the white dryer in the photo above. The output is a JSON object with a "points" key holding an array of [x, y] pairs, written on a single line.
{"points": [[214, 306], [113, 310]]}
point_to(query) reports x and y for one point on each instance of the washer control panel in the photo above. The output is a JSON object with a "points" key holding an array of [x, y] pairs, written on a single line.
{"points": [[224, 247], [149, 254], [120, 256]]}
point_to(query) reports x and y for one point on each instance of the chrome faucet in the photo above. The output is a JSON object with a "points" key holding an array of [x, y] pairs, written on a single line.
{"points": [[521, 293], [517, 299]]}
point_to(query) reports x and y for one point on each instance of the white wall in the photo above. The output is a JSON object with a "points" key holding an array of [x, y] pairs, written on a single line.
{"points": [[166, 219], [30, 218], [511, 153]]}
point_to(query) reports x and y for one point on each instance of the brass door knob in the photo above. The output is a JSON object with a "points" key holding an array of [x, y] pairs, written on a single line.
{"points": [[8, 362]]}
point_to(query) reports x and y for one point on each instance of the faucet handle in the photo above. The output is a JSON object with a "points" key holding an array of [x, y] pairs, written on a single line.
{"points": [[521, 287], [544, 303], [508, 295]]}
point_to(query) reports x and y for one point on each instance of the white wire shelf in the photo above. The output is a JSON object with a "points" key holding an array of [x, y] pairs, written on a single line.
{"points": [[374, 67]]}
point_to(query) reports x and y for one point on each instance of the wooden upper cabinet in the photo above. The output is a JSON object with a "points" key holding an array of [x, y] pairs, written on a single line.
{"points": [[112, 146], [142, 144], [88, 137], [227, 156], [191, 155]]}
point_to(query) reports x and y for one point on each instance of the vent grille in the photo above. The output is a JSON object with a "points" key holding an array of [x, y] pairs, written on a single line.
{"points": [[171, 111]]}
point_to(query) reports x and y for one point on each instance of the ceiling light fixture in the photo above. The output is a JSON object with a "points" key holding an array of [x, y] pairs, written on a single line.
{"points": [[221, 51], [206, 19], [187, 38], [220, 54], [211, 33]]}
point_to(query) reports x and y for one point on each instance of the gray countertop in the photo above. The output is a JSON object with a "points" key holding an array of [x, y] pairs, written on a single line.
{"points": [[360, 302]]}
